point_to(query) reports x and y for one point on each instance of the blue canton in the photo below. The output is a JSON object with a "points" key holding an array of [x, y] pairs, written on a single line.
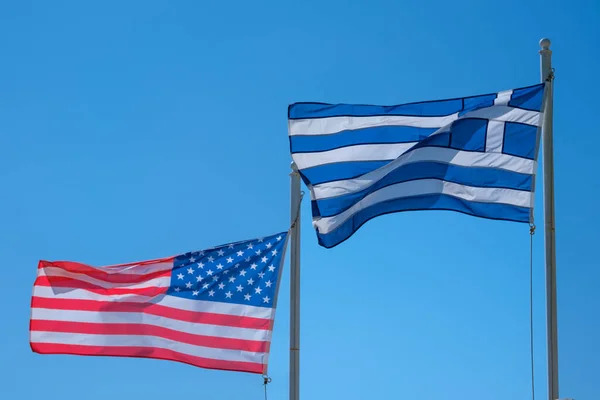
{"points": [[242, 273]]}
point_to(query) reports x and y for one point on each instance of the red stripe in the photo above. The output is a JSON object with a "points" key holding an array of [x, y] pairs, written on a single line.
{"points": [[96, 273], [148, 330], [70, 283], [152, 309], [146, 352], [43, 263]]}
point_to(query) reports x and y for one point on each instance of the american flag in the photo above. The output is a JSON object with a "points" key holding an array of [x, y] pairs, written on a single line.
{"points": [[212, 309]]}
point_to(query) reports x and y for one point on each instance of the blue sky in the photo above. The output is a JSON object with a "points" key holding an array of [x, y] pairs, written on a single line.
{"points": [[135, 130]]}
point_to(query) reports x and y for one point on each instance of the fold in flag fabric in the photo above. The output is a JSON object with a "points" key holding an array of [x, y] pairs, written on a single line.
{"points": [[213, 308], [476, 155]]}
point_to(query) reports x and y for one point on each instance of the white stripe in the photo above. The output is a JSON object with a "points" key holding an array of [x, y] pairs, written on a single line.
{"points": [[507, 114], [363, 152], [387, 151], [59, 272], [42, 314], [437, 154], [137, 269], [144, 341], [427, 186], [494, 136], [329, 125], [164, 300]]}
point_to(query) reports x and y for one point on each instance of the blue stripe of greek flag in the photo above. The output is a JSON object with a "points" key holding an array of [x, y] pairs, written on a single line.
{"points": [[476, 155]]}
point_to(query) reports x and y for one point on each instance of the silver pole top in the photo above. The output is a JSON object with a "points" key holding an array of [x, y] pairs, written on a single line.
{"points": [[545, 44]]}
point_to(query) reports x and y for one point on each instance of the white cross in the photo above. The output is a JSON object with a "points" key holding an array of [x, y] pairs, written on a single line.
{"points": [[495, 129]]}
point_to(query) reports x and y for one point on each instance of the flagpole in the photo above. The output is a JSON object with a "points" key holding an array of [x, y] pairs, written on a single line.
{"points": [[549, 223], [296, 197]]}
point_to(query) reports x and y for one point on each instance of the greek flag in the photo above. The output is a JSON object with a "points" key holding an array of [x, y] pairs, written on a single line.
{"points": [[476, 155]]}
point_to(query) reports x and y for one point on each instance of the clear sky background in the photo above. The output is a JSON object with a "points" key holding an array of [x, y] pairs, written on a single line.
{"points": [[132, 130]]}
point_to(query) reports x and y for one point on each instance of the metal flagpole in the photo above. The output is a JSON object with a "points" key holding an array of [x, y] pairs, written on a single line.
{"points": [[549, 227], [296, 197]]}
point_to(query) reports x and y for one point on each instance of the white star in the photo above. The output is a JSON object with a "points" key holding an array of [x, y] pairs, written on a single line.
{"points": [[195, 293], [177, 289], [264, 259], [232, 279], [250, 281], [211, 259], [250, 246], [209, 272], [188, 285], [190, 270], [231, 246], [228, 294], [192, 259], [211, 293], [199, 278], [266, 299], [247, 259], [237, 265], [226, 271], [220, 266], [205, 286], [240, 253], [247, 297], [278, 238], [253, 266], [274, 252], [221, 286], [220, 253], [268, 283], [269, 245], [261, 275], [229, 260], [258, 252], [180, 276], [260, 240], [239, 288], [258, 290], [201, 265], [243, 272], [216, 278], [201, 253], [271, 268]]}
